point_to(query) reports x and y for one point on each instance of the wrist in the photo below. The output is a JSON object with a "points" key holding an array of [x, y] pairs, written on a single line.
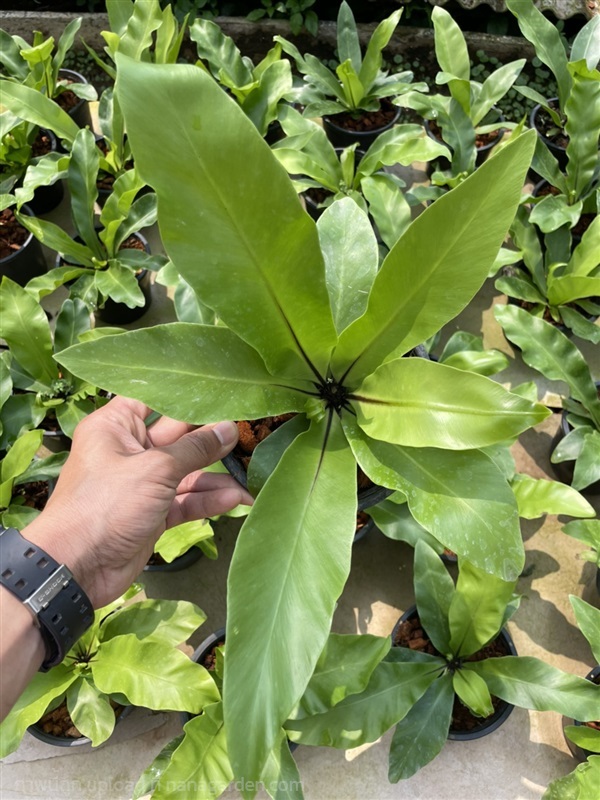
{"points": [[65, 546]]}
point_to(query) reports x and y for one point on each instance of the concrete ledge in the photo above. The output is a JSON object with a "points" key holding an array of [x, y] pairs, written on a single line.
{"points": [[255, 38]]}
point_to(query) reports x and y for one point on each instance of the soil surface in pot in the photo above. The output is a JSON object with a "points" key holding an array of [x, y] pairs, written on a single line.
{"points": [[318, 195], [481, 139], [41, 145], [366, 121], [209, 661], [361, 520], [410, 634], [253, 432], [12, 234]]}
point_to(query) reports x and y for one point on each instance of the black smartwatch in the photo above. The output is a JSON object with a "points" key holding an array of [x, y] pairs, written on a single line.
{"points": [[59, 606]]}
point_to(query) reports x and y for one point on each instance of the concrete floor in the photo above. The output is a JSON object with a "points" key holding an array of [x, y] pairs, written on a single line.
{"points": [[515, 763]]}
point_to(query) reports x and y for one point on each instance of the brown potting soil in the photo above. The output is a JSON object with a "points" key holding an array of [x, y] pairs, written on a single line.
{"points": [[67, 100], [12, 234], [366, 121], [41, 145], [410, 634], [361, 520], [35, 494]]}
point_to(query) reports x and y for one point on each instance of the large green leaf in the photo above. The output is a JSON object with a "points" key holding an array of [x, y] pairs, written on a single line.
{"points": [[221, 52], [419, 403], [344, 668], [348, 43], [477, 609], [351, 259], [31, 705], [537, 497], [434, 590], [473, 692], [495, 87], [549, 351], [174, 542], [149, 778], [582, 127], [583, 736], [581, 784], [200, 760], [168, 621], [152, 674], [545, 37], [268, 283], [280, 777], [120, 284], [72, 320], [360, 718], [90, 710], [587, 466], [462, 513], [588, 620], [33, 106], [387, 205], [420, 736], [24, 326], [530, 683], [369, 70], [450, 45], [82, 177], [167, 365], [284, 581], [586, 256], [436, 267], [18, 458]]}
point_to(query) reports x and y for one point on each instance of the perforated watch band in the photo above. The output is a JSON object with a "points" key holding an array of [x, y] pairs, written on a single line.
{"points": [[59, 605]]}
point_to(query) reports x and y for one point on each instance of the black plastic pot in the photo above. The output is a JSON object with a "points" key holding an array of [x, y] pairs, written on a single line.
{"points": [[503, 710], [182, 562], [26, 263], [64, 741], [442, 163], [342, 137], [80, 113], [560, 153], [579, 752], [564, 470]]}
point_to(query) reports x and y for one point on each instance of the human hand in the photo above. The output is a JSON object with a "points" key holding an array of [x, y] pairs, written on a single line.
{"points": [[123, 485]]}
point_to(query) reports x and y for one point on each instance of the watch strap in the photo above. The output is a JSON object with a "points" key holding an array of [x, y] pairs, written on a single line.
{"points": [[59, 605]]}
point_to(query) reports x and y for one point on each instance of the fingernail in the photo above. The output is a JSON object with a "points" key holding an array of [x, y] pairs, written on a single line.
{"points": [[226, 433]]}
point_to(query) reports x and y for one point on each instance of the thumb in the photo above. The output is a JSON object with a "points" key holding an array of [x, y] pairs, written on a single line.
{"points": [[202, 447]]}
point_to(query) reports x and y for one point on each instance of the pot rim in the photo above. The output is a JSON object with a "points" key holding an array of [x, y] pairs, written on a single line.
{"points": [[328, 119], [63, 741], [17, 253]]}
